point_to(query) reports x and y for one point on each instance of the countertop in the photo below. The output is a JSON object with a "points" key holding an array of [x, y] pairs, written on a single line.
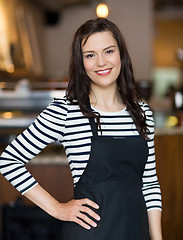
{"points": [[168, 131]]}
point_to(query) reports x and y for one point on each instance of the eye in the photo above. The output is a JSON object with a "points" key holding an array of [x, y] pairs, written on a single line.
{"points": [[91, 55], [109, 51]]}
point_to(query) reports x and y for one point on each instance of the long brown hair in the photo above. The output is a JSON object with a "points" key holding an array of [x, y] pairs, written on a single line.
{"points": [[79, 84]]}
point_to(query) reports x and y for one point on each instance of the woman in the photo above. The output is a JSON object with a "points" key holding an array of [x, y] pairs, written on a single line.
{"points": [[108, 137]]}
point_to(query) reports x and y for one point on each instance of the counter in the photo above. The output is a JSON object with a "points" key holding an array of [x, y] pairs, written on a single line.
{"points": [[169, 131], [27, 100]]}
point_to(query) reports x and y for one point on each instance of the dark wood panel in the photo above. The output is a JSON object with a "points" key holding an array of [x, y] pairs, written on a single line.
{"points": [[169, 155], [56, 179]]}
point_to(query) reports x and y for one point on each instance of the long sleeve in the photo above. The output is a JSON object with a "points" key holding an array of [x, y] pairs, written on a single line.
{"points": [[151, 187], [47, 127]]}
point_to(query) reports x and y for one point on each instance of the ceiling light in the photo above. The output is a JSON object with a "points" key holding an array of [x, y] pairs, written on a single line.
{"points": [[102, 10]]}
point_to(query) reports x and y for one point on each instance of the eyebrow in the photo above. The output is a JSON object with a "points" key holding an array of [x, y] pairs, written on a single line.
{"points": [[91, 51]]}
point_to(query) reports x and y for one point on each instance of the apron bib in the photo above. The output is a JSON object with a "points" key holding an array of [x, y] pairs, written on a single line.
{"points": [[113, 179]]}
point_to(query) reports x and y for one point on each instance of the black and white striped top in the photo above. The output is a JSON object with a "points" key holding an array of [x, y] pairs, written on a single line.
{"points": [[64, 122]]}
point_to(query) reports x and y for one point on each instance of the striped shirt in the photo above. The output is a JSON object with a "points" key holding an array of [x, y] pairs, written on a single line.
{"points": [[64, 122]]}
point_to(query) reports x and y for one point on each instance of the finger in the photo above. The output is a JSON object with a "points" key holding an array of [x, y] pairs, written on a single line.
{"points": [[90, 212], [89, 202], [82, 224], [87, 219]]}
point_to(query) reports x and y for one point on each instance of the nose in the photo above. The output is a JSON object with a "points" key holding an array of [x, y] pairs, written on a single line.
{"points": [[101, 61]]}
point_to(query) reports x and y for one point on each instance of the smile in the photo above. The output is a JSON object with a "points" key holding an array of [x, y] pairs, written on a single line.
{"points": [[104, 72]]}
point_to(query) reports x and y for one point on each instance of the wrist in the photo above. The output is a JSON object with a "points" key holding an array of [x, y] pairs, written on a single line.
{"points": [[156, 235], [57, 210]]}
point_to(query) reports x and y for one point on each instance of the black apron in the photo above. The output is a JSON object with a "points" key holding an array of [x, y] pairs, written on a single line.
{"points": [[113, 180]]}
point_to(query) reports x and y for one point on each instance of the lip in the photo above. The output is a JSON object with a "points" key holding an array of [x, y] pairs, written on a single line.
{"points": [[104, 72]]}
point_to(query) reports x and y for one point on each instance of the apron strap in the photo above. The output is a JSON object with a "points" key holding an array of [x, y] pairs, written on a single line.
{"points": [[93, 127], [92, 121]]}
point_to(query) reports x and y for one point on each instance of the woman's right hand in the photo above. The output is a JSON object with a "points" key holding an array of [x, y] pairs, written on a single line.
{"points": [[76, 210], [73, 211]]}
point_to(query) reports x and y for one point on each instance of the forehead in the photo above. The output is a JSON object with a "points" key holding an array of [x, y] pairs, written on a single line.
{"points": [[98, 40]]}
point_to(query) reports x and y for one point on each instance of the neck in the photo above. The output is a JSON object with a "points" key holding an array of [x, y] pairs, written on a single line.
{"points": [[106, 99]]}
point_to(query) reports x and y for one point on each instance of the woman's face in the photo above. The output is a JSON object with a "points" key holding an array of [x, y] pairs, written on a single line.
{"points": [[101, 58]]}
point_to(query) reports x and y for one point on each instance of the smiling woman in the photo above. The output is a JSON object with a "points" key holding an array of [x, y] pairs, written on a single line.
{"points": [[108, 136]]}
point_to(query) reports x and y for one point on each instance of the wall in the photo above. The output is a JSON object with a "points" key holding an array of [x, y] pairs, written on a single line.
{"points": [[168, 37], [134, 19]]}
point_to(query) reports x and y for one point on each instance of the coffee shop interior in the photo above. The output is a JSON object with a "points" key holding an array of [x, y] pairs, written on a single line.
{"points": [[35, 40]]}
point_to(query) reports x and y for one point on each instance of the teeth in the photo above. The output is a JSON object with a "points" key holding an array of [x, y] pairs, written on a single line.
{"points": [[104, 71]]}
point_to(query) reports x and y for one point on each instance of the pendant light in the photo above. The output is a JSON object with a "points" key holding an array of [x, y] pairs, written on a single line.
{"points": [[102, 10]]}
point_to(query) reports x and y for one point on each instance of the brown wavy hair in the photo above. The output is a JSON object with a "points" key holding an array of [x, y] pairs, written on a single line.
{"points": [[79, 83]]}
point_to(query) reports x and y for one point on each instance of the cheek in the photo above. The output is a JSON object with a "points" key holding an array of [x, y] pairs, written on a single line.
{"points": [[88, 65], [116, 60]]}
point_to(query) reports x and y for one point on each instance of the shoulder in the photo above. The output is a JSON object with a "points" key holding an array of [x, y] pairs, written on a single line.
{"points": [[149, 117], [58, 108], [59, 102], [146, 109], [63, 105]]}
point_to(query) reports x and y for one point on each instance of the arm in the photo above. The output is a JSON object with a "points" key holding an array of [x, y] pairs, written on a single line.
{"points": [[48, 127], [151, 187], [154, 217], [29, 144]]}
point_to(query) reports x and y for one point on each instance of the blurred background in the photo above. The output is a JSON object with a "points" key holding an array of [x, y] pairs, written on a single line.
{"points": [[35, 40]]}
